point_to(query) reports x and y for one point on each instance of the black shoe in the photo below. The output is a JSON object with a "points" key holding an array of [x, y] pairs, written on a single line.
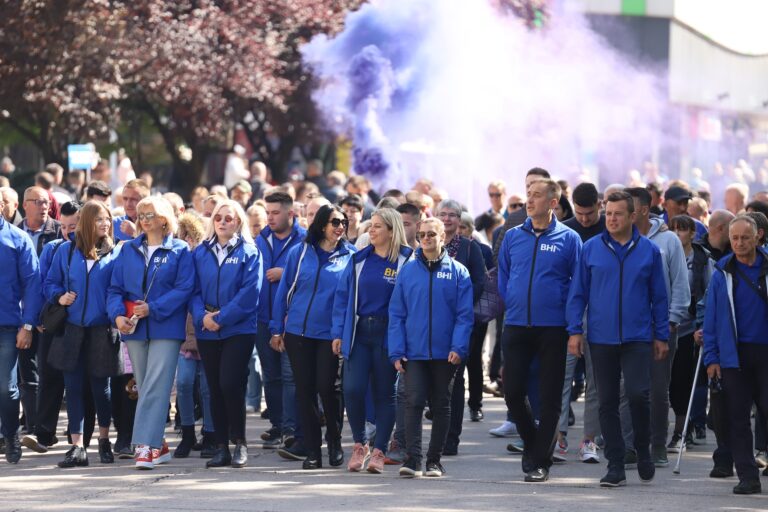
{"points": [[33, 443], [105, 452], [75, 456], [725, 472], [240, 457], [312, 462], [748, 487], [265, 414], [571, 417], [451, 448], [208, 448], [701, 434], [614, 478], [222, 458], [428, 414], [538, 475], [12, 449], [272, 438], [410, 469], [2, 446], [335, 454], [646, 470], [476, 415], [630, 459], [295, 452], [188, 440], [434, 469]]}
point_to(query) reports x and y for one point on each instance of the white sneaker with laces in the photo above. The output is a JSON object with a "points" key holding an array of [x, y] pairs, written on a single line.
{"points": [[588, 452], [507, 429]]}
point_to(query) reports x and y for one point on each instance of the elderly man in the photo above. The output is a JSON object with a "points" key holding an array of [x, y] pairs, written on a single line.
{"points": [[716, 240], [735, 342], [124, 227], [11, 209]]}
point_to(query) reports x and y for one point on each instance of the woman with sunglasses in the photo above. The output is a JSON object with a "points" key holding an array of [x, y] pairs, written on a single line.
{"points": [[301, 325], [360, 321], [224, 309], [430, 321], [151, 286], [78, 279]]}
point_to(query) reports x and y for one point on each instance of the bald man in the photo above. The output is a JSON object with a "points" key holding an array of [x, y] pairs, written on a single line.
{"points": [[11, 205], [716, 241]]}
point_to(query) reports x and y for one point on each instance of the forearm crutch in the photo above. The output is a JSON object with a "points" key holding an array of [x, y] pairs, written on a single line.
{"points": [[688, 413]]}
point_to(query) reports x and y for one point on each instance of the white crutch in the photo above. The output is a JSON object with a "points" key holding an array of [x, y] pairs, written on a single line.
{"points": [[688, 414]]}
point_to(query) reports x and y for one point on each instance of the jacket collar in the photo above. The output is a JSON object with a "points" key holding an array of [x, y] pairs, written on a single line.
{"points": [[728, 263], [635, 236], [296, 230], [528, 224], [362, 254], [142, 240]]}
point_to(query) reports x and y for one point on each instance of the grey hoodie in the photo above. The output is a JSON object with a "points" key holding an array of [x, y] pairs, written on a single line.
{"points": [[675, 269]]}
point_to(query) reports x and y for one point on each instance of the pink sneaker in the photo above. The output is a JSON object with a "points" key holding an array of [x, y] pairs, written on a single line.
{"points": [[376, 464], [161, 455], [143, 457], [360, 454]]}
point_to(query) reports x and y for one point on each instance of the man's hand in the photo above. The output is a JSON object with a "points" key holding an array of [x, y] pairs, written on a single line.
{"points": [[277, 343], [23, 339], [713, 371], [128, 227], [274, 274], [124, 324], [660, 350], [209, 324], [67, 299], [454, 358], [576, 345], [141, 310], [698, 337], [336, 346], [399, 365]]}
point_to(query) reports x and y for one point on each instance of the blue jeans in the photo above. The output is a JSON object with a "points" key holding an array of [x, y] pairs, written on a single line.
{"points": [[399, 434], [253, 394], [74, 383], [369, 363], [154, 366], [290, 414], [9, 387], [187, 371], [271, 375]]}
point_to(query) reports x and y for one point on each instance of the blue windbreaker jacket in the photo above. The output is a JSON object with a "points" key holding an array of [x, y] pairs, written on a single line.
{"points": [[535, 273], [271, 259], [20, 278], [172, 276], [627, 301], [306, 308], [232, 288], [345, 300], [90, 306], [430, 313]]}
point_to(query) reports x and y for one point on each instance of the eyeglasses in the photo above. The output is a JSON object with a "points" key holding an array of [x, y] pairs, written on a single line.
{"points": [[495, 195], [448, 215], [421, 235], [339, 222], [227, 218], [149, 216], [516, 205], [40, 202]]}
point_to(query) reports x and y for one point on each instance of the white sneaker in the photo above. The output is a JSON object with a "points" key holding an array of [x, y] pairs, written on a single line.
{"points": [[588, 452], [507, 429]]}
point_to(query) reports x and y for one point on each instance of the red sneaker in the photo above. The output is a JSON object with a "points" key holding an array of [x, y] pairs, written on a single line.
{"points": [[143, 457], [161, 455]]}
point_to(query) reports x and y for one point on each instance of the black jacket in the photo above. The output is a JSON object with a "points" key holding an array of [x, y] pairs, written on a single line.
{"points": [[51, 231]]}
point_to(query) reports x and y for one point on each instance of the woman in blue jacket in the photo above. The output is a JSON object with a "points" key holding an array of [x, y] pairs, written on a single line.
{"points": [[224, 308], [430, 321], [301, 325], [151, 286], [78, 278], [360, 318]]}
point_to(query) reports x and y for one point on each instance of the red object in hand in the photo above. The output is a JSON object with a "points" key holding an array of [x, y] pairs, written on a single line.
{"points": [[129, 305]]}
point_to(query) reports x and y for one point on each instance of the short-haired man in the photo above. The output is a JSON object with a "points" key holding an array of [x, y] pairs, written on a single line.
{"points": [[37, 223], [411, 216], [124, 227], [676, 203], [716, 241], [354, 208], [497, 194], [736, 195], [20, 305], [10, 210], [282, 232], [242, 193], [536, 264], [98, 191], [735, 342], [621, 278]]}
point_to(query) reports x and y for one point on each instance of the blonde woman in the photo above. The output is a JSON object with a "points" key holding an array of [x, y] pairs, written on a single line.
{"points": [[152, 283], [224, 310], [360, 320]]}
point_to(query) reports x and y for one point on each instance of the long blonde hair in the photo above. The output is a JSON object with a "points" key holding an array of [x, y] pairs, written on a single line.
{"points": [[85, 232], [394, 223], [244, 229]]}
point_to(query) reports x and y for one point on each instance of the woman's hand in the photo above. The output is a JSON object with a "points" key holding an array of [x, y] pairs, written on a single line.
{"points": [[336, 346], [209, 324], [277, 343], [141, 309], [124, 325], [67, 299]]}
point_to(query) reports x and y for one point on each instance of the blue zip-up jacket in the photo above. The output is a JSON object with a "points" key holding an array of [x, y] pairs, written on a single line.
{"points": [[430, 312], [270, 259], [345, 300], [627, 299], [232, 288], [172, 274], [308, 312], [535, 273], [721, 336], [20, 278], [46, 258], [90, 306], [119, 235]]}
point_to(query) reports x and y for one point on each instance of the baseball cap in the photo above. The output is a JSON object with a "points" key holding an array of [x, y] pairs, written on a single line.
{"points": [[677, 194]]}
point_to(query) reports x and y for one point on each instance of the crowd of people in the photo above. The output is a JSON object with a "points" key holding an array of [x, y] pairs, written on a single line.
{"points": [[644, 298]]}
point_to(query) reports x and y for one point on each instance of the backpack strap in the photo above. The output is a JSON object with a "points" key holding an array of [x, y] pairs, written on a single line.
{"points": [[292, 290]]}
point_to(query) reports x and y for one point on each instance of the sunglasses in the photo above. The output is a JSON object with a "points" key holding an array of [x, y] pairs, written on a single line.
{"points": [[422, 235], [227, 218], [339, 222], [516, 205], [495, 195], [147, 216]]}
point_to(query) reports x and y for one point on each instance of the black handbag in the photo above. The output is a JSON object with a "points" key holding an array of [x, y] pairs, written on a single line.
{"points": [[490, 304], [65, 348], [53, 316], [103, 354]]}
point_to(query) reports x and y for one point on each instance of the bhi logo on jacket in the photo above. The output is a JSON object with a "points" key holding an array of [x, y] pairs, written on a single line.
{"points": [[549, 248], [233, 259], [444, 275]]}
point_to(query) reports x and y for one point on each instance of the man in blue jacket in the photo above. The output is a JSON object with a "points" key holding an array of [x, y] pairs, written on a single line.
{"points": [[620, 278], [736, 342], [430, 320], [20, 305], [537, 261], [274, 241]]}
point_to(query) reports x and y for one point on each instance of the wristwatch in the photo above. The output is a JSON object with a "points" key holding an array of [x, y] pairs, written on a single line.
{"points": [[28, 327]]}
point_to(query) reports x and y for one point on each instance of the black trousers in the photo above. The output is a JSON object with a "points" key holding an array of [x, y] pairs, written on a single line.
{"points": [[494, 369], [742, 387], [683, 370], [123, 409], [226, 367], [50, 392], [475, 366], [520, 345], [315, 370], [28, 382], [427, 380]]}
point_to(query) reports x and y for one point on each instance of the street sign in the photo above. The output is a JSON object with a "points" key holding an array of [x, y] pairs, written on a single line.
{"points": [[81, 156]]}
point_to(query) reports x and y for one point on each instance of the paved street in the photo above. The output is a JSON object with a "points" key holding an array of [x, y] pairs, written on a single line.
{"points": [[482, 477]]}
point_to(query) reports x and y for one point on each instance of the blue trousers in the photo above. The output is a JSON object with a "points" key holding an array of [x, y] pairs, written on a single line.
{"points": [[187, 371], [9, 386], [74, 383]]}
